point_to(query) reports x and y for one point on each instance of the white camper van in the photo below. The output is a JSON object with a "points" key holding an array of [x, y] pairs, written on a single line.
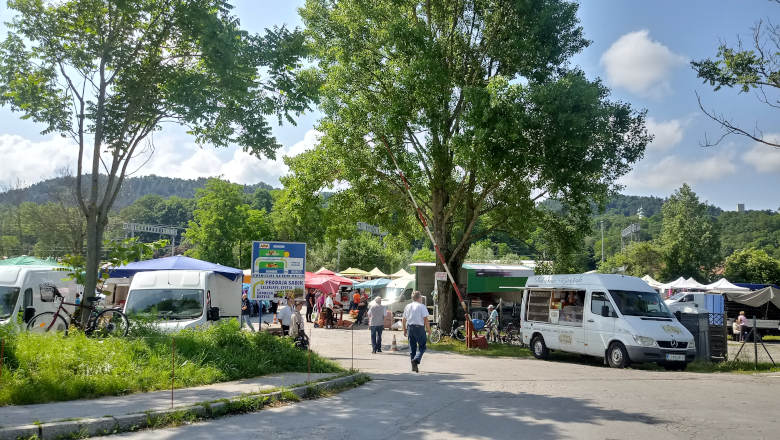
{"points": [[398, 294], [20, 290], [615, 317], [183, 298]]}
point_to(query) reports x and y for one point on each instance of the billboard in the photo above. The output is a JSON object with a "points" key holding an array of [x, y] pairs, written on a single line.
{"points": [[278, 268]]}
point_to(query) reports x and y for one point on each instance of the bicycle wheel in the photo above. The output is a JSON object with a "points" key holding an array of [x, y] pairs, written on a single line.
{"points": [[435, 337], [42, 323], [110, 322], [460, 333]]}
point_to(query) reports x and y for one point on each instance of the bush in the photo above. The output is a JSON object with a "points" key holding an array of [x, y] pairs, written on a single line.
{"points": [[51, 367]]}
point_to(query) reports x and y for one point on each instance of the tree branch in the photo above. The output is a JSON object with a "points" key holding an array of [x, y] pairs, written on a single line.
{"points": [[730, 128]]}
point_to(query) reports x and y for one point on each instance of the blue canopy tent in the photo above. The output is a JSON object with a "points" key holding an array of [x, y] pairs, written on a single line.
{"points": [[373, 284], [178, 262]]}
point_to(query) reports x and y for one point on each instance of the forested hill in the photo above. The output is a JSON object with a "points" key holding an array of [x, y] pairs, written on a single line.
{"points": [[132, 189]]}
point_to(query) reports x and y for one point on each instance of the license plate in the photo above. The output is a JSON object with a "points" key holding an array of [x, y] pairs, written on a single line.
{"points": [[675, 357]]}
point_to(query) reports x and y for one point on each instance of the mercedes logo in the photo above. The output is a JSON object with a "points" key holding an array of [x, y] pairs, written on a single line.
{"points": [[673, 343]]}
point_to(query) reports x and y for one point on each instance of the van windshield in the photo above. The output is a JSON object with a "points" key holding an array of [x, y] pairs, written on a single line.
{"points": [[8, 297], [634, 303], [165, 303], [393, 293]]}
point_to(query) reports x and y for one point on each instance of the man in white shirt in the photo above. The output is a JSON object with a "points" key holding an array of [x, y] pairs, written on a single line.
{"points": [[285, 317], [416, 325]]}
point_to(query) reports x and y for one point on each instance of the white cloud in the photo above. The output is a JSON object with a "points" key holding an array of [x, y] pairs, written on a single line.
{"points": [[666, 134], [763, 158], [672, 171], [640, 65], [33, 161], [27, 162]]}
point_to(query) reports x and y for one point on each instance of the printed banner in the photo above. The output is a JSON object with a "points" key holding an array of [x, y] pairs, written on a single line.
{"points": [[278, 269]]}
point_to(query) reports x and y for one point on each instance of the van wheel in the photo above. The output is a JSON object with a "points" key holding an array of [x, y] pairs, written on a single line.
{"points": [[539, 348], [617, 357]]}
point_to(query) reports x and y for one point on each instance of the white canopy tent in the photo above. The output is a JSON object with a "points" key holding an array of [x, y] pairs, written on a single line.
{"points": [[724, 286], [651, 282]]}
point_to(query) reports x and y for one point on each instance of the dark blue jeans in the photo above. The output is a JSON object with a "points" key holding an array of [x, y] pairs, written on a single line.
{"points": [[376, 337], [417, 341]]}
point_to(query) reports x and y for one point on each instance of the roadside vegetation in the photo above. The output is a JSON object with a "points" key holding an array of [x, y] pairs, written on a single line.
{"points": [[501, 350], [51, 367]]}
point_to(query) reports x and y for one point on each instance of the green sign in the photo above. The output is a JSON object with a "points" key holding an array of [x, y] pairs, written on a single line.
{"points": [[494, 280]]}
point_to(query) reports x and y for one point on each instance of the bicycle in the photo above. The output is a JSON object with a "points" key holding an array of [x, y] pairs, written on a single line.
{"points": [[101, 323], [456, 332], [511, 335]]}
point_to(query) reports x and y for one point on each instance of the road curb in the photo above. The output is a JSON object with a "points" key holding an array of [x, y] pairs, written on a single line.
{"points": [[88, 427]]}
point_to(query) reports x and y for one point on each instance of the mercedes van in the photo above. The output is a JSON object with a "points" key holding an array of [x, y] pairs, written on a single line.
{"points": [[615, 317], [179, 299], [20, 290]]}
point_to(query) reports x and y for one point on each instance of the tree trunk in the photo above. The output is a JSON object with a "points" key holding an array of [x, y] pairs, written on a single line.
{"points": [[95, 229]]}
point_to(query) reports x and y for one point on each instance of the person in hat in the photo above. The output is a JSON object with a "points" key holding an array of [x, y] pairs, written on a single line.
{"points": [[492, 323]]}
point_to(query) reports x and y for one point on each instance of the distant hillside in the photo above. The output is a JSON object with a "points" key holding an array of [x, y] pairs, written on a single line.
{"points": [[132, 189]]}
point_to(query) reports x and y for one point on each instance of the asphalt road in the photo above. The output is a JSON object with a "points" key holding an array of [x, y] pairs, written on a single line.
{"points": [[457, 396]]}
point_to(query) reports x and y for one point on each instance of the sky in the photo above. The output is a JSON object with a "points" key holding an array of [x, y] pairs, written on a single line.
{"points": [[640, 49]]}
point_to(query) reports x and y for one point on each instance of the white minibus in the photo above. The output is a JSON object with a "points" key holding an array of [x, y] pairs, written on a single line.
{"points": [[179, 299], [615, 317]]}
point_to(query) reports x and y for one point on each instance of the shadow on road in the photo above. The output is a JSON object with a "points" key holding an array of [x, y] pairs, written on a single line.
{"points": [[407, 405]]}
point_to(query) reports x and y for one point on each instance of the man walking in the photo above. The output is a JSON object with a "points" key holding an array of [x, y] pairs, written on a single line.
{"points": [[376, 322], [416, 325]]}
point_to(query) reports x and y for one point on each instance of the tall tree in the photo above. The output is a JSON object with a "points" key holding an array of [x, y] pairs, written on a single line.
{"points": [[476, 100], [223, 225], [751, 67], [689, 236], [108, 73]]}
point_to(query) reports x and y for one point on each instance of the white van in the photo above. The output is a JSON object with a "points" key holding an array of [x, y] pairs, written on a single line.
{"points": [[398, 293], [180, 299], [20, 290], [615, 317], [688, 302]]}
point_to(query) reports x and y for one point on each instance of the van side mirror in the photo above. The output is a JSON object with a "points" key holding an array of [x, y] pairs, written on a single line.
{"points": [[605, 311], [212, 314], [29, 312]]}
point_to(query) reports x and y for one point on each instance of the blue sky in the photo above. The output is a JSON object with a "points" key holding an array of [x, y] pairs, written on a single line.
{"points": [[641, 49]]}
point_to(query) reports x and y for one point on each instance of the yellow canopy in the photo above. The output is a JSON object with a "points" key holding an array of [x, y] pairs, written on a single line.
{"points": [[400, 274], [376, 273], [353, 272]]}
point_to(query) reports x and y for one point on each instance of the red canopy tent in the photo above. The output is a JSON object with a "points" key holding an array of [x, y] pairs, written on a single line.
{"points": [[326, 283]]}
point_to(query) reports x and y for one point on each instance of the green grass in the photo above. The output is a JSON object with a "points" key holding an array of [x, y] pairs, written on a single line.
{"points": [[51, 367], [770, 338], [495, 350]]}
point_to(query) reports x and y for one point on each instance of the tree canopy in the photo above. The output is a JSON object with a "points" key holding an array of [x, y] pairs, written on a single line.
{"points": [[108, 73], [752, 266], [477, 101]]}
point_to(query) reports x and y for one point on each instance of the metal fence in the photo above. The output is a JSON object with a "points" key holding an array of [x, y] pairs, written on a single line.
{"points": [[709, 332]]}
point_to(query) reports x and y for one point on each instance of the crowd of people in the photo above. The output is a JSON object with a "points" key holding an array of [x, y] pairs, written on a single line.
{"points": [[322, 309]]}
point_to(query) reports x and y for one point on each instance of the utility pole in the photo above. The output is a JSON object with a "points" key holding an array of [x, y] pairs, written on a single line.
{"points": [[602, 241], [338, 255]]}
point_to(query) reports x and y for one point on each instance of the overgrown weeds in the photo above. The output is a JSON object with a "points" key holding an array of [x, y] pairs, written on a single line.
{"points": [[51, 367]]}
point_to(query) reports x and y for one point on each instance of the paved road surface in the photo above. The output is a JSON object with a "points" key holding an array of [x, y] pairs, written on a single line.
{"points": [[482, 398]]}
